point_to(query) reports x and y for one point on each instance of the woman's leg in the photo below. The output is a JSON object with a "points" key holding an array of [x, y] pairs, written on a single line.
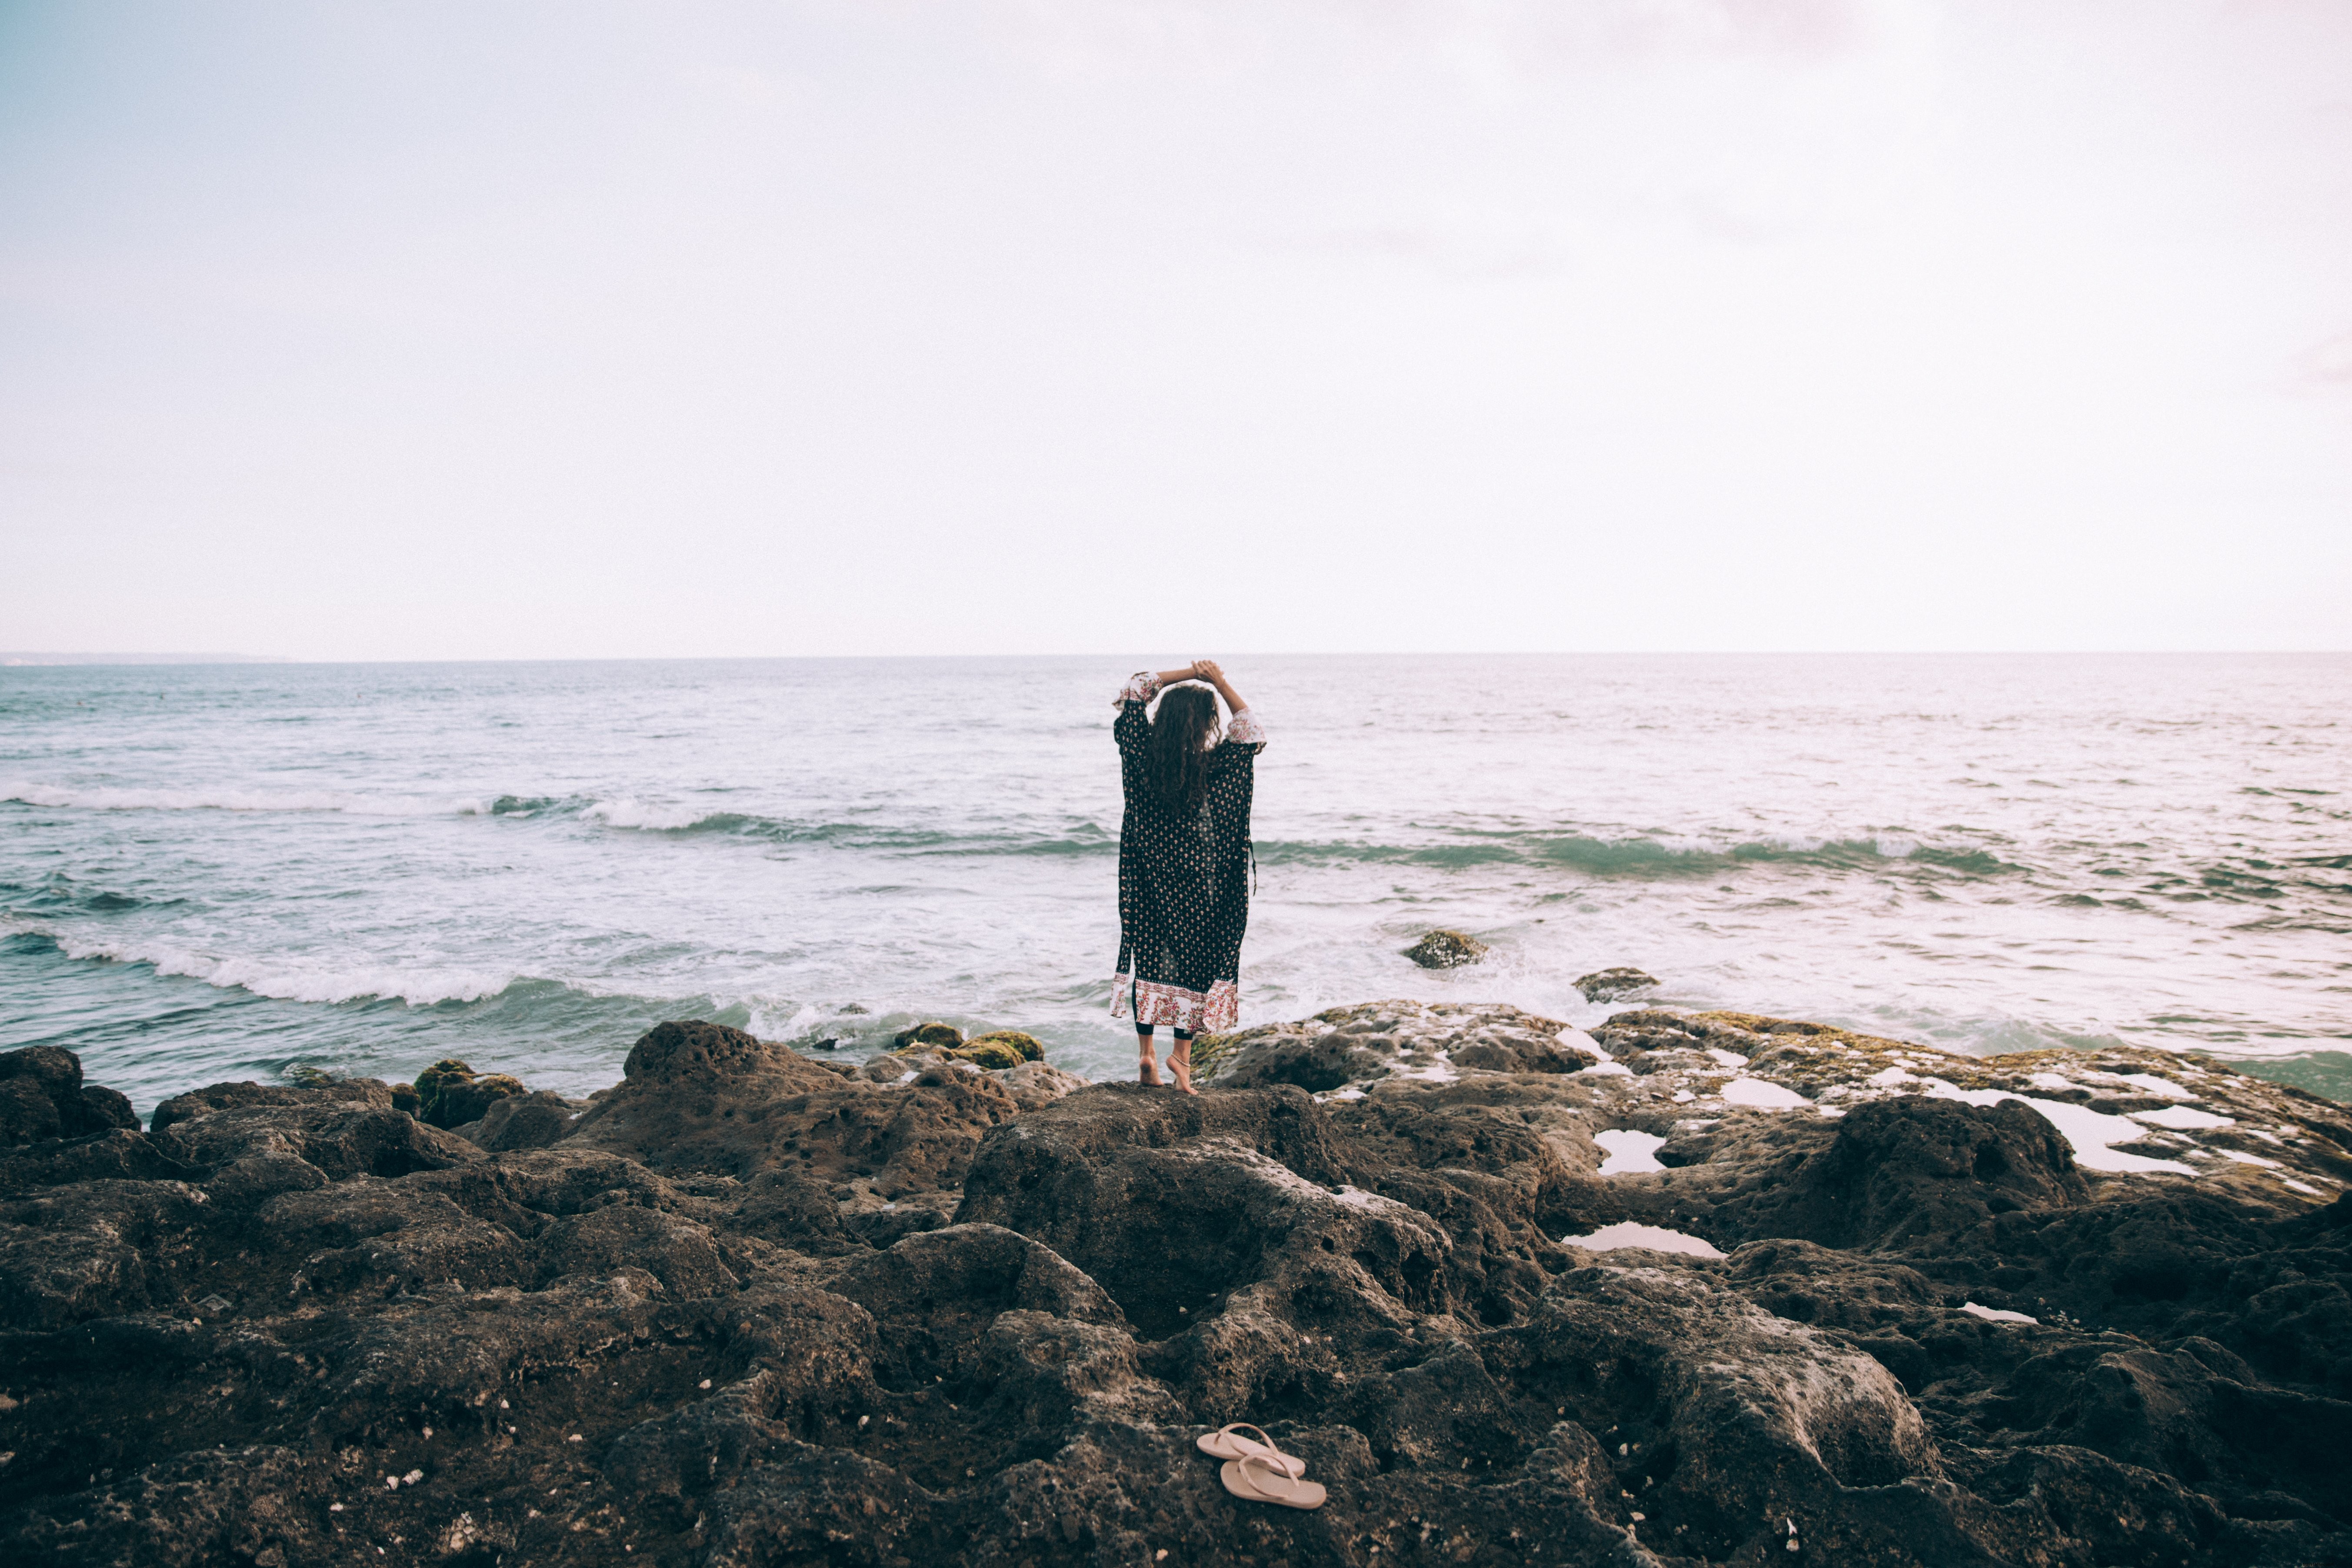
{"points": [[1180, 1061], [1149, 1066]]}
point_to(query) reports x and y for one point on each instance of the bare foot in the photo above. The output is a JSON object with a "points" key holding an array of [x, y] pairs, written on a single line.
{"points": [[1180, 1064], [1150, 1070]]}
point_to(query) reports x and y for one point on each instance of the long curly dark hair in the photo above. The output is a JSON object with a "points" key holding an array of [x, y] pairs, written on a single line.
{"points": [[1182, 731]]}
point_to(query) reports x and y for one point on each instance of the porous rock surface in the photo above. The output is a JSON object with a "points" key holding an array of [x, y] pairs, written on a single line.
{"points": [[749, 1307]]}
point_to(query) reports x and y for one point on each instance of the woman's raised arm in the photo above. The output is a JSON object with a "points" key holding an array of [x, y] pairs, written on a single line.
{"points": [[1207, 671]]}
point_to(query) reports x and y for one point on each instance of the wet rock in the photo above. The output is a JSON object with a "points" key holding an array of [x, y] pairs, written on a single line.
{"points": [[702, 1097], [1912, 1171], [1608, 985], [753, 1310], [1033, 1084], [118, 1153], [342, 1137], [360, 1091], [451, 1095], [1729, 1419], [947, 1037], [523, 1122], [677, 1251], [42, 1096], [995, 1055], [1361, 1044], [1025, 1044], [1446, 950]]}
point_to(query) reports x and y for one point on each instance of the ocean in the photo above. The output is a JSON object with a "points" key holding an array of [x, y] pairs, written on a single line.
{"points": [[230, 871]]}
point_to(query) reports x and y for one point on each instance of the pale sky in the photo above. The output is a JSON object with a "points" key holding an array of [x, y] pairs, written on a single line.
{"points": [[481, 330]]}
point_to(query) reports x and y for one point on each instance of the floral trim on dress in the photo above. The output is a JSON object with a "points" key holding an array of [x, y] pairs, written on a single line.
{"points": [[1172, 1005], [1141, 687], [1245, 729]]}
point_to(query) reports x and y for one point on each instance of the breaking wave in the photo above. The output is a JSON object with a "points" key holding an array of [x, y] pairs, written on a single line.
{"points": [[1642, 856]]}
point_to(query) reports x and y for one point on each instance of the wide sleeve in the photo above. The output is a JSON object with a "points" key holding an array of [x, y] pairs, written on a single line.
{"points": [[1131, 729], [1243, 729], [1141, 687]]}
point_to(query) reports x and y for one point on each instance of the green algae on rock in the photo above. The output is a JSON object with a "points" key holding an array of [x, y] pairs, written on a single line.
{"points": [[1026, 1043]]}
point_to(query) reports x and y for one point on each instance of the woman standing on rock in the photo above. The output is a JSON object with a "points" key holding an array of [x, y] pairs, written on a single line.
{"points": [[1183, 859]]}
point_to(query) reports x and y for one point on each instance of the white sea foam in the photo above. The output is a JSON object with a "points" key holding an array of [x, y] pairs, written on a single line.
{"points": [[1995, 1315], [648, 816], [2181, 1119], [1630, 1153], [1604, 1070], [1652, 1237], [2155, 1085], [1727, 1059], [293, 979], [1762, 1094], [353, 803]]}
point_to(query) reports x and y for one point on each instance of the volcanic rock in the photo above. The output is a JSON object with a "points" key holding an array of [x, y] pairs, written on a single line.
{"points": [[42, 1096], [1446, 950], [751, 1308], [1608, 985]]}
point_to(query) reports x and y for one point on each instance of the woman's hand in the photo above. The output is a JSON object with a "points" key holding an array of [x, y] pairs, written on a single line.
{"points": [[1208, 670]]}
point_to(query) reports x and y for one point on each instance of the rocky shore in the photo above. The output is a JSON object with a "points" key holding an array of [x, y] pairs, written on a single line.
{"points": [[1693, 1288]]}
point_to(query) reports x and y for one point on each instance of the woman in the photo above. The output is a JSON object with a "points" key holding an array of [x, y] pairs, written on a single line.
{"points": [[1183, 859]]}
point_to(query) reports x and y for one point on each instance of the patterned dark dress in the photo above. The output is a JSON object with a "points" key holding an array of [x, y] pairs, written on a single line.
{"points": [[1183, 879]]}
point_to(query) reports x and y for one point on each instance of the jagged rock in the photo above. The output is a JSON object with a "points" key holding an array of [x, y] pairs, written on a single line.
{"points": [[1608, 985], [1033, 1084], [972, 1318], [117, 1153], [699, 1097], [947, 1037], [523, 1122], [1909, 1171], [1362, 1044], [42, 1096], [340, 1137], [1446, 950], [451, 1095], [363, 1091]]}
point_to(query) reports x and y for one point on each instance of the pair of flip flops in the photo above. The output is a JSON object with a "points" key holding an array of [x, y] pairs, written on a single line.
{"points": [[1257, 1471]]}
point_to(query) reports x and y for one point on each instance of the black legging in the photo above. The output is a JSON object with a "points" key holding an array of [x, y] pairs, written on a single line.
{"points": [[1145, 1031]]}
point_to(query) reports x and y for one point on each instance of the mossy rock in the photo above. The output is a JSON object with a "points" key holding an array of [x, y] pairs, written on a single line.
{"points": [[1208, 1050], [947, 1037], [446, 1074], [1446, 950], [468, 1102], [991, 1054], [448, 1093], [1031, 1051], [405, 1098]]}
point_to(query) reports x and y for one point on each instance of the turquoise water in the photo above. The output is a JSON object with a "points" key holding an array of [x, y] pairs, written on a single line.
{"points": [[228, 872]]}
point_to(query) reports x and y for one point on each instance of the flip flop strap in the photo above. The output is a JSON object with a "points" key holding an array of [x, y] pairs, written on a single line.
{"points": [[1274, 1471], [1230, 1427]]}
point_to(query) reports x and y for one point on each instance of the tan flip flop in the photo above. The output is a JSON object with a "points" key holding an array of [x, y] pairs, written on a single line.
{"points": [[1252, 1478], [1226, 1443]]}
